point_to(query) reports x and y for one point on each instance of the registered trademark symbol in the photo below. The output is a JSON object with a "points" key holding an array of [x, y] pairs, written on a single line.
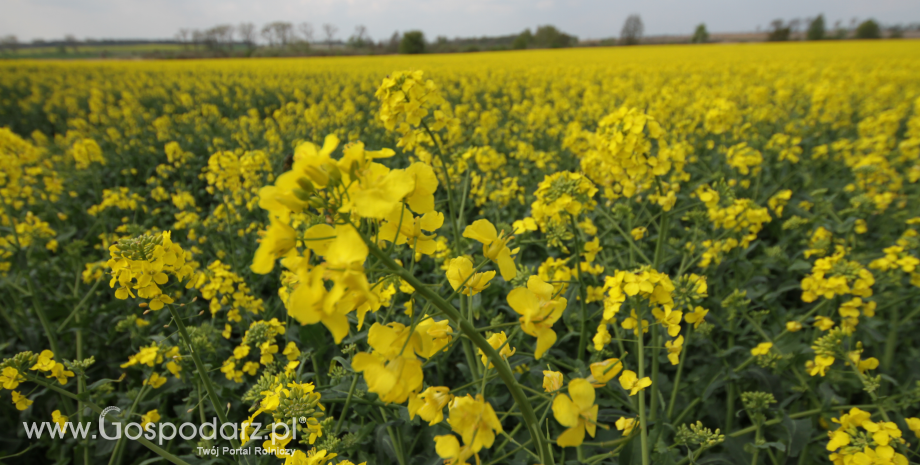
{"points": [[303, 420]]}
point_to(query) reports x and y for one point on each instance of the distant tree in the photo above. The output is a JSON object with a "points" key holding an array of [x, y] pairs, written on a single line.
{"points": [[412, 42], [896, 32], [220, 36], [198, 38], [778, 32], [523, 40], [549, 37], [632, 30], [268, 33], [247, 33], [816, 28], [10, 43], [278, 33], [183, 37], [793, 26], [701, 35], [72, 42], [392, 46], [330, 30], [359, 39], [869, 29], [840, 32], [306, 31]]}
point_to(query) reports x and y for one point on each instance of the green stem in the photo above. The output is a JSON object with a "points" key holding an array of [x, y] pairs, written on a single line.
{"points": [[757, 438], [95, 408], [397, 443], [680, 369], [467, 345], [46, 325], [351, 393], [504, 371], [120, 445], [79, 306], [582, 291], [156, 449], [202, 371], [643, 417], [890, 345]]}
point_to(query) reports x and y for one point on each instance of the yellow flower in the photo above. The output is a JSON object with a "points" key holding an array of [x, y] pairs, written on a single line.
{"points": [[762, 349], [61, 420], [429, 405], [45, 361], [392, 380], [538, 310], [606, 370], [498, 342], [278, 241], [291, 351], [632, 383], [522, 226], [914, 425], [241, 351], [155, 380], [174, 368], [403, 228], [20, 401], [823, 323], [819, 365], [793, 326], [552, 381], [448, 448], [670, 319], [434, 336], [577, 412], [494, 246], [861, 227], [150, 418], [251, 367], [626, 425], [674, 348], [276, 444], [60, 374], [632, 322], [474, 420], [378, 191], [267, 351], [460, 270], [421, 199], [696, 317], [638, 233], [11, 378]]}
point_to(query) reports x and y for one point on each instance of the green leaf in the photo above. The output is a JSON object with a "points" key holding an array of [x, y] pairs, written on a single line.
{"points": [[799, 433]]}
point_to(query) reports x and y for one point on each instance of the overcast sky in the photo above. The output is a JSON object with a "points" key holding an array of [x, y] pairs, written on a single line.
{"points": [[587, 19]]}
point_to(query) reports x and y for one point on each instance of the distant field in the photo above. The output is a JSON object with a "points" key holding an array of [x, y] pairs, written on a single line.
{"points": [[91, 51]]}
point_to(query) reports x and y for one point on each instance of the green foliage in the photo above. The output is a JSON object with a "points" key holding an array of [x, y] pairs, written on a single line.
{"points": [[523, 40], [816, 29], [779, 31], [632, 30], [700, 35], [413, 42], [869, 29], [550, 37]]}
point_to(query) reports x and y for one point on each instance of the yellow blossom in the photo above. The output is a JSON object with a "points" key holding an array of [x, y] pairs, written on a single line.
{"points": [[577, 412], [632, 383]]}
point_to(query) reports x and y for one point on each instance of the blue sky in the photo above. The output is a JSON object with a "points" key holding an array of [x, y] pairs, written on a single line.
{"points": [[29, 19]]}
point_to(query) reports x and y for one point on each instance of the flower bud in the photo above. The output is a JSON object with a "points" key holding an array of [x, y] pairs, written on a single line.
{"points": [[306, 185]]}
